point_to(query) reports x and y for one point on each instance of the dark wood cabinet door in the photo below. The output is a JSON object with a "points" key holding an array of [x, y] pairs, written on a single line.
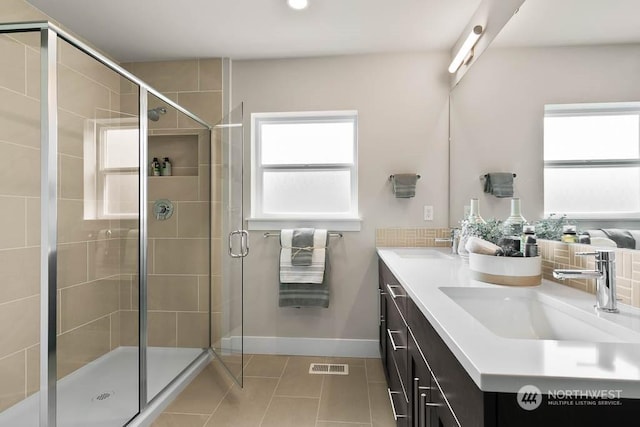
{"points": [[397, 394], [382, 331], [420, 396]]}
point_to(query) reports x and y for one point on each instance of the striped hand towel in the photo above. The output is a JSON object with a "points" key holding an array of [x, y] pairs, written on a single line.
{"points": [[314, 273], [304, 286]]}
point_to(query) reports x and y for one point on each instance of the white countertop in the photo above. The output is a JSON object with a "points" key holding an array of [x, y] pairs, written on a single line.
{"points": [[502, 364]]}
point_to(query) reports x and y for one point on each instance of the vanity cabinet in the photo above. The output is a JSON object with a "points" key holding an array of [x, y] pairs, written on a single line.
{"points": [[394, 344], [428, 386], [455, 398], [427, 404], [415, 397]]}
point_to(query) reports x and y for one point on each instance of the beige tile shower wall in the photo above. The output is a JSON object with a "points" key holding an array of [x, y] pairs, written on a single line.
{"points": [[178, 282], [19, 254], [563, 255], [88, 276], [411, 237]]}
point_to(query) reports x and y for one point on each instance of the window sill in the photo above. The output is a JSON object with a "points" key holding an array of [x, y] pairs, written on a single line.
{"points": [[342, 224]]}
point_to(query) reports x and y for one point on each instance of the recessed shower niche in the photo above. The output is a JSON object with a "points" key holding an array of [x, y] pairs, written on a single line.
{"points": [[182, 151]]}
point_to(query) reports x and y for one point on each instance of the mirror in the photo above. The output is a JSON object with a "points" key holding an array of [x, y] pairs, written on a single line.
{"points": [[550, 52]]}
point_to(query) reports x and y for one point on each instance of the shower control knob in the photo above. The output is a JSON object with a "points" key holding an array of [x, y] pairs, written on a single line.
{"points": [[163, 209]]}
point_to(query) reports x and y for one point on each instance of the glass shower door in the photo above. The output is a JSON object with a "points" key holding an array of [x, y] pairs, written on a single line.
{"points": [[232, 247], [178, 241], [97, 248]]}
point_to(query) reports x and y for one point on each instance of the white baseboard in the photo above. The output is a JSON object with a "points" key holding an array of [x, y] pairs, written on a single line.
{"points": [[330, 347]]}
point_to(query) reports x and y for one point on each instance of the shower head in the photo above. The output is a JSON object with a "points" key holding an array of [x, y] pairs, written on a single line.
{"points": [[155, 113]]}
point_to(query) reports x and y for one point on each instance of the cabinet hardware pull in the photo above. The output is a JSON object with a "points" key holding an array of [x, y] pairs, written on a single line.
{"points": [[393, 406], [393, 294], [433, 405], [416, 390], [393, 343], [423, 405]]}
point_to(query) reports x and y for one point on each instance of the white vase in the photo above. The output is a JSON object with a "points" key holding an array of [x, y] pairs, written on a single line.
{"points": [[515, 222], [474, 213]]}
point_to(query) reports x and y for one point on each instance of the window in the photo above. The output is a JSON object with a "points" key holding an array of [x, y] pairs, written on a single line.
{"points": [[304, 170], [111, 169], [592, 160]]}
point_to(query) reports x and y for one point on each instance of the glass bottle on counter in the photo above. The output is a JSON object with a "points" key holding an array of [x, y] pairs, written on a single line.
{"points": [[569, 234], [473, 218], [529, 241]]}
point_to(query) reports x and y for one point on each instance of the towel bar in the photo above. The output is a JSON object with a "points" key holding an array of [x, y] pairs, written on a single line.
{"points": [[485, 176], [331, 234], [391, 177]]}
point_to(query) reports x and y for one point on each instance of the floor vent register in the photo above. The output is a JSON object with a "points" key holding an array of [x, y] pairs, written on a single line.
{"points": [[329, 369]]}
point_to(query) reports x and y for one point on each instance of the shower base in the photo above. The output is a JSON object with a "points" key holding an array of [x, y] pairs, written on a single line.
{"points": [[104, 393]]}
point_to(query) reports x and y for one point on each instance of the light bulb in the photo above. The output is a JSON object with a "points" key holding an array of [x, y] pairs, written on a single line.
{"points": [[298, 4]]}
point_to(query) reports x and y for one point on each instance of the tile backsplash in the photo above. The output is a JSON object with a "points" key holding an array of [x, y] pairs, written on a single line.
{"points": [[411, 237]]}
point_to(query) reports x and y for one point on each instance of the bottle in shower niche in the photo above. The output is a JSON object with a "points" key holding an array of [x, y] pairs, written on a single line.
{"points": [[166, 167], [155, 167]]}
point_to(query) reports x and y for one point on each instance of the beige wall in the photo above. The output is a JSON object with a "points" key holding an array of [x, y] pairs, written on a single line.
{"points": [[497, 115], [402, 117]]}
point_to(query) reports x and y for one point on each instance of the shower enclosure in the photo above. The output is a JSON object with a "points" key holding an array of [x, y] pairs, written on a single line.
{"points": [[118, 285]]}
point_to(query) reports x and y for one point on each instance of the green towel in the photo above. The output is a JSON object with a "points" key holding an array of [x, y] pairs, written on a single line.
{"points": [[306, 294], [404, 185], [302, 246], [500, 184]]}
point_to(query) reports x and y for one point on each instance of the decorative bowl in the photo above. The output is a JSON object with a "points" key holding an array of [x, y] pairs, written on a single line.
{"points": [[509, 271]]}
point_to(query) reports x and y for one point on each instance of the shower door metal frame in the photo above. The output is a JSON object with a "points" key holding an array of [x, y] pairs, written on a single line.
{"points": [[48, 224], [49, 34]]}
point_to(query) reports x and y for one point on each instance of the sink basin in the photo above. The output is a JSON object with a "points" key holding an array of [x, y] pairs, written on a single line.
{"points": [[528, 314], [420, 253]]}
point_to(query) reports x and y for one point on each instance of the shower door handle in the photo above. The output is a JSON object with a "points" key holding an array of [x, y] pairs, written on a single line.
{"points": [[244, 244]]}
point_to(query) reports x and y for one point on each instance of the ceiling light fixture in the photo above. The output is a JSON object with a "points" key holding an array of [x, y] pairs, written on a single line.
{"points": [[466, 48], [298, 4]]}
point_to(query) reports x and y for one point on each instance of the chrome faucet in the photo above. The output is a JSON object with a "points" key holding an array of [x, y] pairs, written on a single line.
{"points": [[454, 239], [605, 275]]}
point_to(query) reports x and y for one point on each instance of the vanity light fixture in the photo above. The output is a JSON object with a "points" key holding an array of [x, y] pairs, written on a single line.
{"points": [[298, 4], [466, 49]]}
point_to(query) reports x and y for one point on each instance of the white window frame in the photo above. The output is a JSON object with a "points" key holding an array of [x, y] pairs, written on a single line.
{"points": [[95, 202], [594, 109], [260, 220]]}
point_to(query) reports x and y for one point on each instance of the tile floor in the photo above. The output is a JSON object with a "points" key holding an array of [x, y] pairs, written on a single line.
{"points": [[279, 392]]}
